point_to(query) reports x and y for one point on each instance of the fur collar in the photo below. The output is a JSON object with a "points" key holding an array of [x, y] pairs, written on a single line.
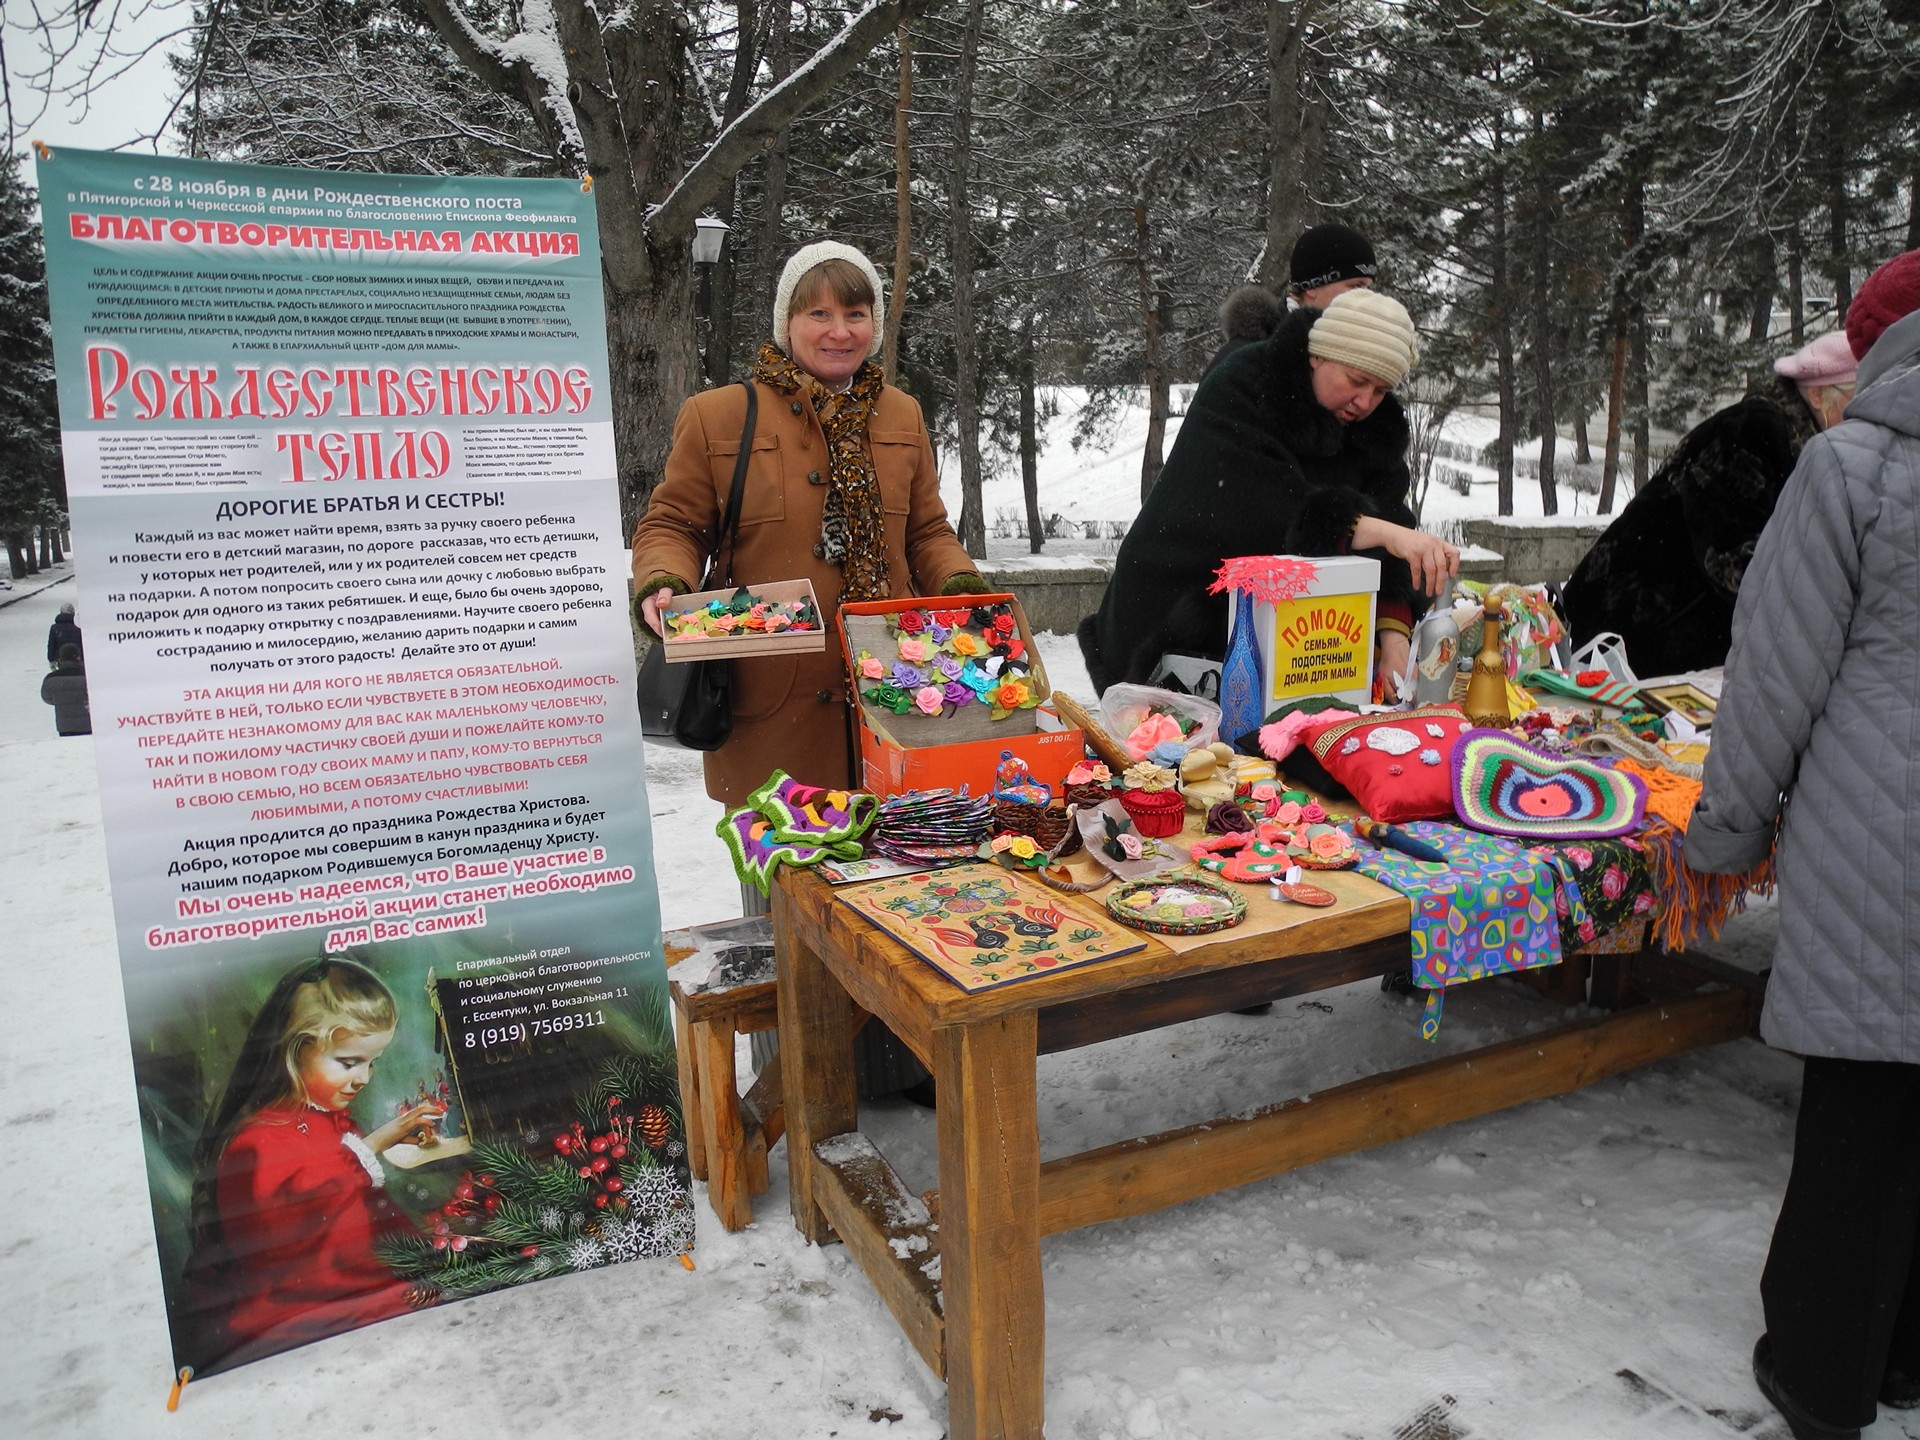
{"points": [[1308, 430]]}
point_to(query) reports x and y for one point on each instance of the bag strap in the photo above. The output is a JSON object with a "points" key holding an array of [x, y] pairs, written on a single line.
{"points": [[721, 574]]}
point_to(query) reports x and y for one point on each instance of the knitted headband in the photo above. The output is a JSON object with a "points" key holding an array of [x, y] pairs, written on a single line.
{"points": [[1370, 332], [804, 259]]}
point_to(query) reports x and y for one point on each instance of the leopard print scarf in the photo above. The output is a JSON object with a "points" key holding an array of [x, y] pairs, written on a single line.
{"points": [[853, 531]]}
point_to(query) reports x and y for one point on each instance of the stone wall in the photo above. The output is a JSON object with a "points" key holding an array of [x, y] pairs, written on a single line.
{"points": [[1055, 595], [1534, 551]]}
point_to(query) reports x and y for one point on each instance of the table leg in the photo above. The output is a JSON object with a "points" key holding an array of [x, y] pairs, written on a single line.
{"points": [[816, 1063], [728, 1180], [989, 1139]]}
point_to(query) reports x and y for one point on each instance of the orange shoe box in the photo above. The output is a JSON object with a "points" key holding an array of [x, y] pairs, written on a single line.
{"points": [[919, 752]]}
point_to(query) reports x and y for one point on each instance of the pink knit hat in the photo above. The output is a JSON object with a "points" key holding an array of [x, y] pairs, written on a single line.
{"points": [[1825, 361], [1891, 293]]}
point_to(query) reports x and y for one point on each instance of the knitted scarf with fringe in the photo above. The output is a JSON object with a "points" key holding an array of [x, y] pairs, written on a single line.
{"points": [[853, 531]]}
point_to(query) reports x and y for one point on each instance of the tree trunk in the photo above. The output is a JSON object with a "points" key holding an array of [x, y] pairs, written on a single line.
{"points": [[1543, 339], [652, 361], [1616, 397], [902, 212], [966, 397], [1290, 206], [1030, 439], [17, 556], [1839, 270], [1582, 447], [1796, 289], [1638, 363], [1153, 306], [1501, 321], [1760, 313], [53, 544], [719, 357], [773, 245]]}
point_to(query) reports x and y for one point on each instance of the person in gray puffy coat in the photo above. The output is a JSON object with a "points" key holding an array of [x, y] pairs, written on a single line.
{"points": [[1818, 734]]}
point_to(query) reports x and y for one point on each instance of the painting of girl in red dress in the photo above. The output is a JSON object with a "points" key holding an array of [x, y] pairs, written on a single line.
{"points": [[289, 1195]]}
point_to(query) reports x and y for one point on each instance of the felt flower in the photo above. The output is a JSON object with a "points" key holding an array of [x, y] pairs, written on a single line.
{"points": [[966, 643], [947, 667], [724, 624], [752, 621], [1016, 647], [914, 651], [1000, 843], [1328, 844], [777, 622], [1265, 794], [938, 633], [975, 679], [1313, 813], [908, 677], [1130, 845], [1287, 813], [1613, 882], [981, 617], [928, 699], [1023, 848], [911, 622], [956, 694], [1003, 623], [1013, 695], [871, 666]]}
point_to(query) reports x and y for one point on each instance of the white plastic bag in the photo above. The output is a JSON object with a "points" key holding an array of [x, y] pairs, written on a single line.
{"points": [[1123, 707], [1605, 651]]}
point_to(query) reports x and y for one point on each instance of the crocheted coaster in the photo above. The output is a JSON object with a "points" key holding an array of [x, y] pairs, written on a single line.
{"points": [[1506, 788]]}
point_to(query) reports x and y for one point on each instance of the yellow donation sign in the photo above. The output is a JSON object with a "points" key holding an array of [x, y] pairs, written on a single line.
{"points": [[1320, 644]]}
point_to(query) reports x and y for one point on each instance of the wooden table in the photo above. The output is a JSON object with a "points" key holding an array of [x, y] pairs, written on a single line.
{"points": [[977, 1315]]}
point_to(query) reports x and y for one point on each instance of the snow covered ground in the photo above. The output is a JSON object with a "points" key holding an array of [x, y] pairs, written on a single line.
{"points": [[1576, 1269]]}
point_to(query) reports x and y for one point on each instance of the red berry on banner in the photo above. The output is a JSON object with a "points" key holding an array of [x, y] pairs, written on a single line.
{"points": [[615, 1184], [464, 1190], [654, 1125], [529, 1251], [486, 1180], [617, 1151], [600, 1164], [598, 1145], [563, 1143], [614, 1102], [600, 1202], [586, 1172]]}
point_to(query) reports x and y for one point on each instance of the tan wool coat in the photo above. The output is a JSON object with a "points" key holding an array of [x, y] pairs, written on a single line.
{"points": [[789, 712]]}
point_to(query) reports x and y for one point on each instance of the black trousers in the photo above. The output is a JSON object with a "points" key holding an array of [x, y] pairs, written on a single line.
{"points": [[1842, 1283]]}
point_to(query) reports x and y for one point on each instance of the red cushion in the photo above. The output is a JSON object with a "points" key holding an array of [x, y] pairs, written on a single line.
{"points": [[1395, 765]]}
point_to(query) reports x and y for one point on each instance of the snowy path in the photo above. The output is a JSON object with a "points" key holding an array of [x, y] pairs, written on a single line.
{"points": [[1576, 1269]]}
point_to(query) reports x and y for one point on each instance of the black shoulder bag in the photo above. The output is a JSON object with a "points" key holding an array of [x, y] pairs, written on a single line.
{"points": [[693, 702]]}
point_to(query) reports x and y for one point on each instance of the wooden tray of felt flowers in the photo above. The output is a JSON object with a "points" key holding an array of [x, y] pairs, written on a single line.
{"points": [[744, 621]]}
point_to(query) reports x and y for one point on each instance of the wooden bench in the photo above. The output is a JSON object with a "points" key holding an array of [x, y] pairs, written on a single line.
{"points": [[728, 1134]]}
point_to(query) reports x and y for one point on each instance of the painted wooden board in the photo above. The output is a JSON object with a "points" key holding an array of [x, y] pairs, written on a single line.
{"points": [[982, 926]]}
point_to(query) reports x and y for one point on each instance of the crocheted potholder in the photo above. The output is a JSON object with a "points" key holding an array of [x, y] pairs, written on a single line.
{"points": [[1506, 788]]}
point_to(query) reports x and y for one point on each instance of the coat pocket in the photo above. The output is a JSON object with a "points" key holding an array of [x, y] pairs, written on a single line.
{"points": [[765, 496], [896, 462], [761, 685]]}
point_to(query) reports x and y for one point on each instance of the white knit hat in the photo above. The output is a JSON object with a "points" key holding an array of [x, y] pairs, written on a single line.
{"points": [[804, 259], [1369, 331]]}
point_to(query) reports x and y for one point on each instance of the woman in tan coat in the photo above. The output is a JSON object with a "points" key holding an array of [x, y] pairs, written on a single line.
{"points": [[840, 490]]}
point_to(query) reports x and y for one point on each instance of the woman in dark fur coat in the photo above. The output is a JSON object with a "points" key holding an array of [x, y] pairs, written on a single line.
{"points": [[1665, 574], [1292, 446]]}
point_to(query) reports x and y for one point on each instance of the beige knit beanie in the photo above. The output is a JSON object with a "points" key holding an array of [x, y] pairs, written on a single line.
{"points": [[1369, 331], [803, 260]]}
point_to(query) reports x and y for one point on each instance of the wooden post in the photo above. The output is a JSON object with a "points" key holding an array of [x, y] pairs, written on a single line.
{"points": [[989, 1140], [694, 1124], [816, 1061], [728, 1179]]}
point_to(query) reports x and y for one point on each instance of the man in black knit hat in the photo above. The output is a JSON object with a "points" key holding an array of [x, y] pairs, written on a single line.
{"points": [[1327, 260]]}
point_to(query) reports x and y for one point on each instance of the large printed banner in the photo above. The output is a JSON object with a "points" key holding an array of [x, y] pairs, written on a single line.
{"points": [[341, 472]]}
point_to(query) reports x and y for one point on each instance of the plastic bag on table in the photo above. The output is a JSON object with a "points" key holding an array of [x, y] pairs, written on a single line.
{"points": [[1125, 708]]}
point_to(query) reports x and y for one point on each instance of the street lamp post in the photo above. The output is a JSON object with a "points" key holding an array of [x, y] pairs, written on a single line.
{"points": [[709, 238]]}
